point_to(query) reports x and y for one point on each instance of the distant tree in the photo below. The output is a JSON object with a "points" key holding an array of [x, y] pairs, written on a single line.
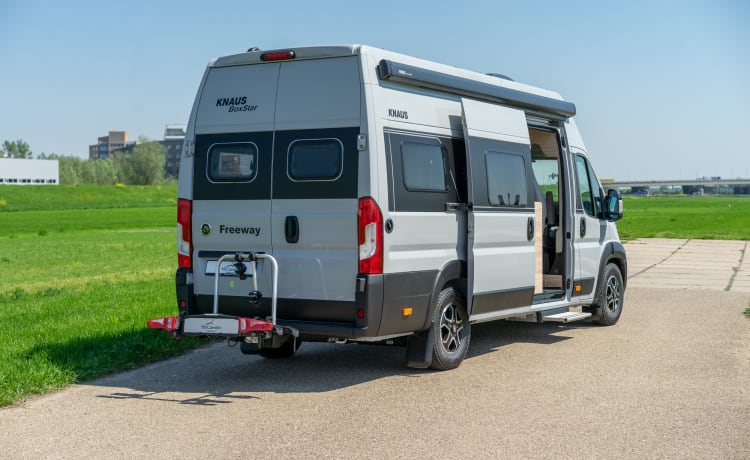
{"points": [[69, 168], [17, 149], [124, 167], [147, 161]]}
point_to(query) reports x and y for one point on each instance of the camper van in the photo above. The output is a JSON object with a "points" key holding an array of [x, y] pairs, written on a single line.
{"points": [[353, 194]]}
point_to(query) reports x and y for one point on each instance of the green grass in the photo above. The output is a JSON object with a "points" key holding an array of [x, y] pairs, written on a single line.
{"points": [[56, 197], [77, 286], [41, 223], [698, 217]]}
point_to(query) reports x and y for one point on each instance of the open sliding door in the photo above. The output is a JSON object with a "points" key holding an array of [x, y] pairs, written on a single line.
{"points": [[500, 255]]}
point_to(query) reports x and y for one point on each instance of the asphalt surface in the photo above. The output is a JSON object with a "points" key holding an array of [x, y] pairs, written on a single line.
{"points": [[670, 380]]}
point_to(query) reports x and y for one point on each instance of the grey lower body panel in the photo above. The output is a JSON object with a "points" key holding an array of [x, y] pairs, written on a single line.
{"points": [[378, 308]]}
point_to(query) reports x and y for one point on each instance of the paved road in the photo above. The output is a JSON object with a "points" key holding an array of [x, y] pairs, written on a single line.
{"points": [[670, 380]]}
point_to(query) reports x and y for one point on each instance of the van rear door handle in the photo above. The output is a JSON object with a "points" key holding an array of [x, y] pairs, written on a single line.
{"points": [[291, 229]]}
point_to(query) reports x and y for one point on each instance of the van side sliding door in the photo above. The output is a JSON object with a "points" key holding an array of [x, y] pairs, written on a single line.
{"points": [[500, 255]]}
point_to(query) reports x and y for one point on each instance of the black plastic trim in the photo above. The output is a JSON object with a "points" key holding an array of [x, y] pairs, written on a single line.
{"points": [[454, 272], [406, 289], [488, 302], [369, 297], [184, 291], [614, 251], [587, 285], [330, 311], [549, 296], [416, 76]]}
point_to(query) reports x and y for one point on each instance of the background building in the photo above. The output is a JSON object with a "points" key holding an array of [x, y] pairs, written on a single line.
{"points": [[107, 145], [174, 136], [16, 171], [117, 141]]}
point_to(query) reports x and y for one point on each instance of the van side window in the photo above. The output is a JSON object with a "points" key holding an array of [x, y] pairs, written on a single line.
{"points": [[506, 179], [589, 190], [235, 162], [315, 159], [424, 167]]}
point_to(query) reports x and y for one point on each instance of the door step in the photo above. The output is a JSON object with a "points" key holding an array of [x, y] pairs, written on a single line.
{"points": [[566, 317]]}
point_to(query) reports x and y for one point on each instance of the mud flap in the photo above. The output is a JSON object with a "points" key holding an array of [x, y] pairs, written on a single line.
{"points": [[419, 349]]}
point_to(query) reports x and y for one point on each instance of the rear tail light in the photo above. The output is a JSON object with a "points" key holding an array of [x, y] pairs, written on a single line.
{"points": [[370, 236], [168, 323], [184, 233]]}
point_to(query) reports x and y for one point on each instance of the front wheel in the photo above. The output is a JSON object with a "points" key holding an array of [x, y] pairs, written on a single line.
{"points": [[611, 296], [452, 330]]}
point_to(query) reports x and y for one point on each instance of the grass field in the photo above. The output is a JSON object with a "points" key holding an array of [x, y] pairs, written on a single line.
{"points": [[82, 268], [699, 217], [77, 285]]}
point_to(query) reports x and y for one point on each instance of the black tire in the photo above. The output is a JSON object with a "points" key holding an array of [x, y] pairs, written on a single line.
{"points": [[286, 350], [611, 296], [248, 348], [452, 331]]}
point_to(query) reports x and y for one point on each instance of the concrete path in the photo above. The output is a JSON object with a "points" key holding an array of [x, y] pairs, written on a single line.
{"points": [[670, 380], [689, 264]]}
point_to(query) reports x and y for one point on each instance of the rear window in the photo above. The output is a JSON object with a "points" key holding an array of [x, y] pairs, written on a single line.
{"points": [[235, 162], [315, 159]]}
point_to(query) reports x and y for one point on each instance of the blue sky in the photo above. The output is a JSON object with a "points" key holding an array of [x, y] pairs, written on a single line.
{"points": [[662, 88]]}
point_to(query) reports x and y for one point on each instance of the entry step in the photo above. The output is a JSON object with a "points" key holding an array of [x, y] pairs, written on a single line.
{"points": [[566, 317]]}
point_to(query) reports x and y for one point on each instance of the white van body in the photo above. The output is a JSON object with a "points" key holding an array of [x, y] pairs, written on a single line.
{"points": [[402, 199]]}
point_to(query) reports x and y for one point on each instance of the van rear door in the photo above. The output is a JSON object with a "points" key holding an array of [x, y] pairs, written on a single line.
{"points": [[315, 171], [232, 176], [500, 256]]}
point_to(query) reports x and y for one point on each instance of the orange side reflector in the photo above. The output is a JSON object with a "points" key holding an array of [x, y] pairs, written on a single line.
{"points": [[578, 288], [407, 311]]}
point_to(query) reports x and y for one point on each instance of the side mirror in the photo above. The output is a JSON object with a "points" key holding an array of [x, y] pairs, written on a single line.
{"points": [[613, 208]]}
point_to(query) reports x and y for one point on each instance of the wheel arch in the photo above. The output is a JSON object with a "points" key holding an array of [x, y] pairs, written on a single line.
{"points": [[451, 273], [614, 252]]}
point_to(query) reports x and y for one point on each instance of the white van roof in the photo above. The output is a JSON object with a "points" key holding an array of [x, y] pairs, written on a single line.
{"points": [[255, 56]]}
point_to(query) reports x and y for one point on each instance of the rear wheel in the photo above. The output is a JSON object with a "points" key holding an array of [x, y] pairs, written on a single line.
{"points": [[286, 350], [611, 296], [452, 330]]}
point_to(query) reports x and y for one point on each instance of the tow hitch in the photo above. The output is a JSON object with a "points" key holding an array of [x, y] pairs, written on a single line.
{"points": [[262, 332]]}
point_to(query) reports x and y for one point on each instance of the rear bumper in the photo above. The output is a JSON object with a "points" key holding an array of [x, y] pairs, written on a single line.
{"points": [[313, 318]]}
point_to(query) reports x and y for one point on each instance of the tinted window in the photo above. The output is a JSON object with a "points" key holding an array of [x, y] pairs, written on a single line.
{"points": [[506, 179], [232, 162], [424, 167], [589, 196], [319, 159], [596, 190]]}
